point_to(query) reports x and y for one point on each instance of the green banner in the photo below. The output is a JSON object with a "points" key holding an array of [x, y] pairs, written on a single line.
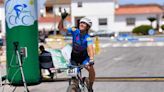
{"points": [[22, 27]]}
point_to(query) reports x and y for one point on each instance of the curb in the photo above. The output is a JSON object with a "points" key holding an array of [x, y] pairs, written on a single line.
{"points": [[159, 39]]}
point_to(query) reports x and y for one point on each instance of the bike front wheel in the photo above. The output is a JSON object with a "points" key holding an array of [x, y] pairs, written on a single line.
{"points": [[85, 85], [72, 88]]}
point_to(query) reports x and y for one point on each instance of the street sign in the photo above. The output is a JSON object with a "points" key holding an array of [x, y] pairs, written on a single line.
{"points": [[151, 32]]}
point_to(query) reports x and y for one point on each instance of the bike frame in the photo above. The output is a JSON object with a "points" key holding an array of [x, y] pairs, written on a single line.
{"points": [[78, 76]]}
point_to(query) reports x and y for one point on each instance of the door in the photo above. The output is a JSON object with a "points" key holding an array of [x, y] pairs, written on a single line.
{"points": [[77, 20]]}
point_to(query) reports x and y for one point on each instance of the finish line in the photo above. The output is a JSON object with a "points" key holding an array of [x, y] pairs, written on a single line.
{"points": [[129, 79], [116, 79]]}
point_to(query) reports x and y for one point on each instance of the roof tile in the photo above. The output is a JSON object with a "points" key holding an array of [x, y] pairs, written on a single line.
{"points": [[139, 9], [52, 19], [57, 2]]}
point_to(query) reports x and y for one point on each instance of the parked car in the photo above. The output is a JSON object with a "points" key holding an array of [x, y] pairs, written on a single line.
{"points": [[104, 33], [92, 33]]}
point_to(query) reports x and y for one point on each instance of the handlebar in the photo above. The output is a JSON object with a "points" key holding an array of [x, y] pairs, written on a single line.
{"points": [[74, 66], [80, 66]]}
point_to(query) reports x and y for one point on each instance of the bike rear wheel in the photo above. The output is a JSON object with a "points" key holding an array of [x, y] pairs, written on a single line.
{"points": [[72, 88]]}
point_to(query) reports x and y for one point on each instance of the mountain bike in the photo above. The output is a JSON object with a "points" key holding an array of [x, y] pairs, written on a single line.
{"points": [[77, 83]]}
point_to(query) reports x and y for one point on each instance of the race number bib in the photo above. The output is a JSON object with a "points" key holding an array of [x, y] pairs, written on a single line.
{"points": [[72, 72]]}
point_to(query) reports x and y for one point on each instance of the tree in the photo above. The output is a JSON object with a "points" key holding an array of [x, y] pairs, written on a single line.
{"points": [[151, 19], [142, 29], [162, 27]]}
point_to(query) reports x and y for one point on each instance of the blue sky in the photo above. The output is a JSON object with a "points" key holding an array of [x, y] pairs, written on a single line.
{"points": [[140, 1]]}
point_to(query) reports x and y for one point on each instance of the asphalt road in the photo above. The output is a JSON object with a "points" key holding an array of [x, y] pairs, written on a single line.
{"points": [[130, 61], [141, 61]]}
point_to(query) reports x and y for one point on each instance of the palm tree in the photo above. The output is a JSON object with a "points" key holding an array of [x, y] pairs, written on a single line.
{"points": [[151, 19]]}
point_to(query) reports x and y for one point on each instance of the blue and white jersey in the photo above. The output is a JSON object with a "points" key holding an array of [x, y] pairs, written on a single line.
{"points": [[80, 42]]}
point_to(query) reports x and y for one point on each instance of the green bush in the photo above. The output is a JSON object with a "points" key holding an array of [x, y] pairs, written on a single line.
{"points": [[143, 29], [162, 27]]}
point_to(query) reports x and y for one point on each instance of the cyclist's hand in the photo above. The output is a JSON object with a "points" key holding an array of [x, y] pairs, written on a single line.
{"points": [[64, 14], [91, 62]]}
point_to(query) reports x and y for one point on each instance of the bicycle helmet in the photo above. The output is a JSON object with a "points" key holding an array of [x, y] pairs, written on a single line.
{"points": [[87, 21]]}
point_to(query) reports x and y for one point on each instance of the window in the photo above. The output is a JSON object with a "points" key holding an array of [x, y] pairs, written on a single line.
{"points": [[77, 20], [79, 4], [49, 9], [103, 22], [130, 21], [60, 9]]}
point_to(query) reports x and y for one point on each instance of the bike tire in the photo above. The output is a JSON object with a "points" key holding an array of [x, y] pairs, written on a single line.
{"points": [[72, 88], [86, 83]]}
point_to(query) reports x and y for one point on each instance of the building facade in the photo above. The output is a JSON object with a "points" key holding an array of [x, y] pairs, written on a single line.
{"points": [[2, 18], [50, 14], [101, 12], [105, 14], [129, 16]]}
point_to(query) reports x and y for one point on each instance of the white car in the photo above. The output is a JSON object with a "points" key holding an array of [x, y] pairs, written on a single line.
{"points": [[104, 33]]}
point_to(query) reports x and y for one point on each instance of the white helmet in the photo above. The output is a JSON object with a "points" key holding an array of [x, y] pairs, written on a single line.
{"points": [[87, 21]]}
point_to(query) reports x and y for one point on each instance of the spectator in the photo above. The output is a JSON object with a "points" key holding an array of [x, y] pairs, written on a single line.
{"points": [[45, 59], [42, 37], [1, 39], [45, 33]]}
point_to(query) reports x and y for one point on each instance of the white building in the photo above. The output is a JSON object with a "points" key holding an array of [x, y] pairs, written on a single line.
{"points": [[101, 12], [2, 18], [108, 15], [55, 7], [50, 15], [129, 16], [105, 14]]}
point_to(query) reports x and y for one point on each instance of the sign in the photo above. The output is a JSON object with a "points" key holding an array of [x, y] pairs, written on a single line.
{"points": [[151, 32], [22, 27], [18, 12]]}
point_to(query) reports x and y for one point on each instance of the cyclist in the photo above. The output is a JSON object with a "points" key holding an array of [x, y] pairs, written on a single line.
{"points": [[82, 52], [19, 8]]}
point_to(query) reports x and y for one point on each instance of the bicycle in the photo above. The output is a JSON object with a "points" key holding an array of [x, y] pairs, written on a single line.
{"points": [[22, 16], [77, 83], [25, 17]]}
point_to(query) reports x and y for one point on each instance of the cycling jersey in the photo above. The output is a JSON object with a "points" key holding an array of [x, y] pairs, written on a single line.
{"points": [[80, 42]]}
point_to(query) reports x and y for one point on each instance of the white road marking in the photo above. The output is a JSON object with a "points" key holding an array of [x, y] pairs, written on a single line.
{"points": [[148, 44], [118, 58]]}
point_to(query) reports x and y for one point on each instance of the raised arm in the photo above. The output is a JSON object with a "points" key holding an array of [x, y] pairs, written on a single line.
{"points": [[61, 27]]}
